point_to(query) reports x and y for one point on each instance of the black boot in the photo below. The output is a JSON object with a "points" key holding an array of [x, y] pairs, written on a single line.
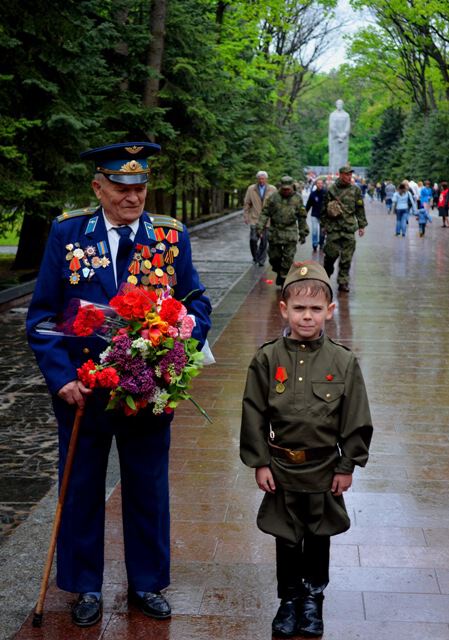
{"points": [[284, 623], [280, 280], [310, 611]]}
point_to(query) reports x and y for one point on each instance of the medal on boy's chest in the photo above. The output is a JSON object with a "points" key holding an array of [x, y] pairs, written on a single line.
{"points": [[280, 376]]}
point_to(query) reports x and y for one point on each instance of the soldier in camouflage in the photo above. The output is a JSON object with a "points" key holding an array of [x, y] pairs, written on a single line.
{"points": [[284, 211], [343, 214]]}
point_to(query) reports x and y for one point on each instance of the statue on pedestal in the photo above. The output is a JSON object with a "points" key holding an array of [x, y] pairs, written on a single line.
{"points": [[339, 128]]}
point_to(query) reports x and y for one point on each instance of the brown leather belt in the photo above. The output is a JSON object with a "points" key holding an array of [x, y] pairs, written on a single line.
{"points": [[299, 456]]}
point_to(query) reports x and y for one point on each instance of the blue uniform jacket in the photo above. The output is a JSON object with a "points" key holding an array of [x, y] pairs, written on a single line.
{"points": [[58, 357]]}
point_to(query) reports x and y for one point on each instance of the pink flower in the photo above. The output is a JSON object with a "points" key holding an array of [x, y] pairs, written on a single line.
{"points": [[173, 332], [187, 326]]}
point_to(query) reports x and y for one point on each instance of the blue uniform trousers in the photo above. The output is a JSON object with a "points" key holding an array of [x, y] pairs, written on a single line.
{"points": [[143, 444]]}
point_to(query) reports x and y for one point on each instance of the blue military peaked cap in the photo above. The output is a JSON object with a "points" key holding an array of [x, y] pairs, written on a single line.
{"points": [[124, 162]]}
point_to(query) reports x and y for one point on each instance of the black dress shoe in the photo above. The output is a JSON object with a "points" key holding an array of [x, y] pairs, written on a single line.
{"points": [[87, 610], [284, 623], [151, 604]]}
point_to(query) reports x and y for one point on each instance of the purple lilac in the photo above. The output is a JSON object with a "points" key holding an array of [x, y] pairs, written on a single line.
{"points": [[174, 361], [135, 376]]}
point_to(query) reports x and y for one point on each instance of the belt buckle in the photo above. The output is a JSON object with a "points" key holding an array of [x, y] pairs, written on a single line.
{"points": [[298, 457]]}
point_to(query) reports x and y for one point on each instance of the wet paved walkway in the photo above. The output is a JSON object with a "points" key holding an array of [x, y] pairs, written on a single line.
{"points": [[390, 572]]}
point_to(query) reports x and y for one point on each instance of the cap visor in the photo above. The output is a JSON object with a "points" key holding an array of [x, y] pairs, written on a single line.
{"points": [[124, 178]]}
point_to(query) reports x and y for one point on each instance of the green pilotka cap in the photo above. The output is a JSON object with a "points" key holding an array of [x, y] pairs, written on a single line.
{"points": [[311, 270]]}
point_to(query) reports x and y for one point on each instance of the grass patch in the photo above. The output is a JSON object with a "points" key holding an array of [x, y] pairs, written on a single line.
{"points": [[9, 239]]}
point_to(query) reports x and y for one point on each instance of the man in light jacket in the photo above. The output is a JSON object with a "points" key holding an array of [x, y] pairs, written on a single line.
{"points": [[256, 196]]}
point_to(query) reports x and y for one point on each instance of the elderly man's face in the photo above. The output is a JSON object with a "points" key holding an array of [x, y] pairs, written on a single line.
{"points": [[262, 180], [122, 203]]}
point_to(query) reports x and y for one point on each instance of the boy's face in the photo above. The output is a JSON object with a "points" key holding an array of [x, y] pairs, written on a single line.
{"points": [[306, 314]]}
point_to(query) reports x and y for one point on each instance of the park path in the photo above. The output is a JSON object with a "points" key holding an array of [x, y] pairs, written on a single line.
{"points": [[390, 571]]}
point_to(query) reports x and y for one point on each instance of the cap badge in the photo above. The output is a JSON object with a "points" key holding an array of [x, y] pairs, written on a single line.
{"points": [[132, 165], [303, 271], [133, 149]]}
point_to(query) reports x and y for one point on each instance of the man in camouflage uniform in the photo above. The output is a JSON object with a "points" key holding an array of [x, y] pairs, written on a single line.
{"points": [[343, 213], [286, 214]]}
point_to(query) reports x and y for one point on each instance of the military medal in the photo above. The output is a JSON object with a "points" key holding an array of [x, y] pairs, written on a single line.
{"points": [[172, 236], [158, 260], [281, 376]]}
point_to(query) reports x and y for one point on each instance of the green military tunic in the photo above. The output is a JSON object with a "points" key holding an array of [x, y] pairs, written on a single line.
{"points": [[285, 217], [340, 241], [324, 404]]}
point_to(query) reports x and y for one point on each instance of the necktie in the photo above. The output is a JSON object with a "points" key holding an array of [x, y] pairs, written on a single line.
{"points": [[124, 247]]}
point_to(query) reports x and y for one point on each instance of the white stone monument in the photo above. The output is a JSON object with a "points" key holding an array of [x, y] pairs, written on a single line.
{"points": [[339, 128]]}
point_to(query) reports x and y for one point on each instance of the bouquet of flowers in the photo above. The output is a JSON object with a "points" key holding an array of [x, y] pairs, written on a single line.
{"points": [[151, 358]]}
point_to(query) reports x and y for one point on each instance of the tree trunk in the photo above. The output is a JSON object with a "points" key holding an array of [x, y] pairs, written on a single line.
{"points": [[205, 202], [33, 236], [122, 48], [155, 52], [184, 206]]}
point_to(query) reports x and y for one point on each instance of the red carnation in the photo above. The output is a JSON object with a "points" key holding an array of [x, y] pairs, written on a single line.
{"points": [[108, 378], [87, 373], [170, 310], [133, 303], [88, 319]]}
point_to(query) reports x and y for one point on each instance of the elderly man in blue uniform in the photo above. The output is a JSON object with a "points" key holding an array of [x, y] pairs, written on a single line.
{"points": [[87, 256]]}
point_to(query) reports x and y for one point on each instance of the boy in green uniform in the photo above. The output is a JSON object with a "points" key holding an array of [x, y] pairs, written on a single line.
{"points": [[305, 425]]}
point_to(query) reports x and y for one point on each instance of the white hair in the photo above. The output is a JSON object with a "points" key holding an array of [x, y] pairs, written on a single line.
{"points": [[260, 174]]}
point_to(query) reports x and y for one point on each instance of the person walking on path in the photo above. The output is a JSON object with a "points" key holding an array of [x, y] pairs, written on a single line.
{"points": [[87, 256], [315, 204], [390, 190], [425, 196], [443, 203], [305, 425], [284, 215], [403, 203], [343, 214], [423, 217], [256, 195]]}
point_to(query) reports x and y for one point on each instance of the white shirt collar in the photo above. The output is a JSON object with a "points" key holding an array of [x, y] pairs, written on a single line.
{"points": [[109, 225]]}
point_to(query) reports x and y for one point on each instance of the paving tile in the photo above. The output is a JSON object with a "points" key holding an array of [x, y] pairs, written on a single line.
{"points": [[385, 556], [123, 627], [369, 630], [397, 580], [410, 607], [393, 536]]}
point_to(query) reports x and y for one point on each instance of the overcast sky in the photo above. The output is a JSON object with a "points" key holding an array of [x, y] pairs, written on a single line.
{"points": [[336, 54]]}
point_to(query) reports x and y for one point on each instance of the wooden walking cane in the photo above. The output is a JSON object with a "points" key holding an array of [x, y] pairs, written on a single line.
{"points": [[38, 612]]}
